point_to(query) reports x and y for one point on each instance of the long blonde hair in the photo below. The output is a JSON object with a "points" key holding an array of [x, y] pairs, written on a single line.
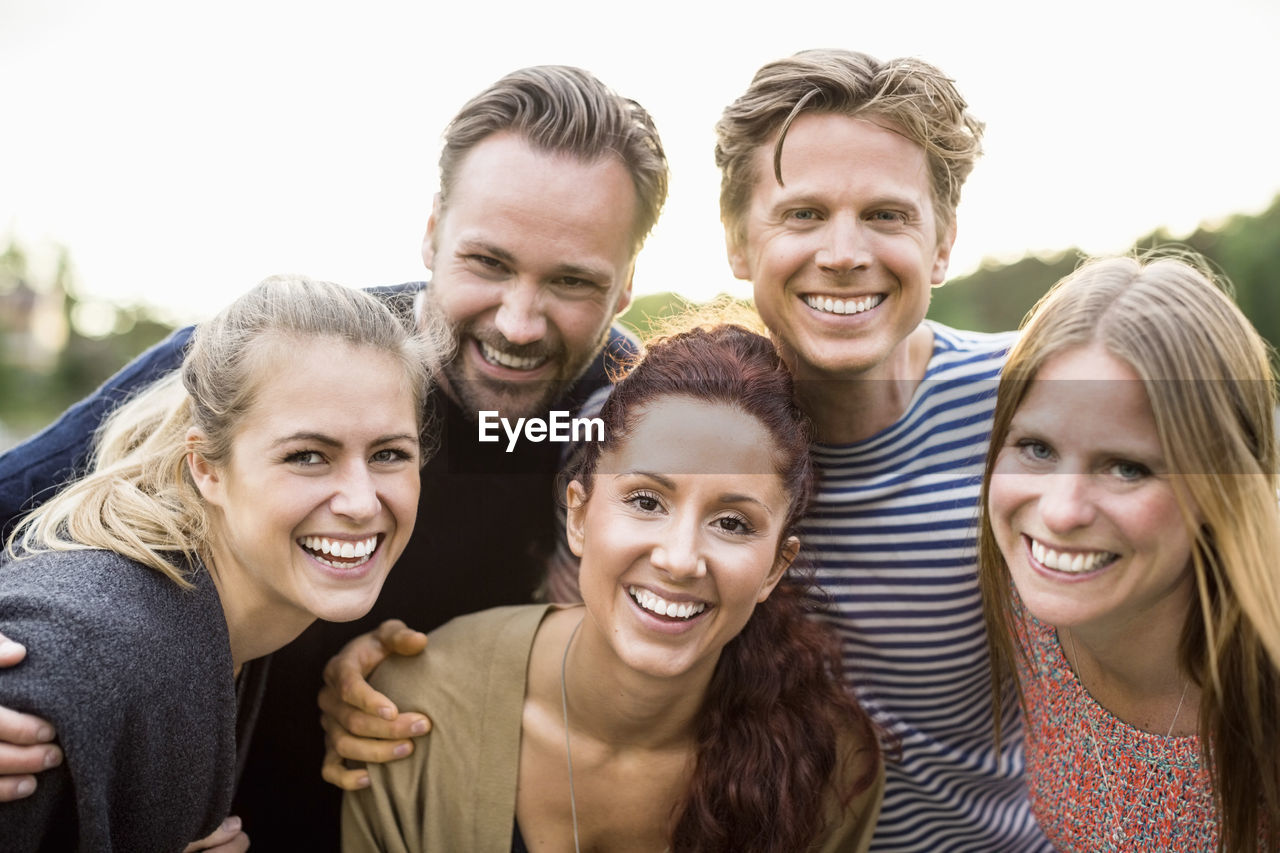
{"points": [[139, 499], [1208, 376]]}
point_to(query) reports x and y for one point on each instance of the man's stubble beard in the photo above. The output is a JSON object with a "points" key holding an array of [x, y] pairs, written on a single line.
{"points": [[511, 399]]}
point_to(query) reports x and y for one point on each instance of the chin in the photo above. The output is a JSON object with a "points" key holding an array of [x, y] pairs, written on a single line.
{"points": [[342, 607]]}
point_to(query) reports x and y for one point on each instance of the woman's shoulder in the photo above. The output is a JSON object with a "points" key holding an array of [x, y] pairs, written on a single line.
{"points": [[851, 822], [467, 657], [103, 590], [128, 666], [87, 617], [493, 626]]}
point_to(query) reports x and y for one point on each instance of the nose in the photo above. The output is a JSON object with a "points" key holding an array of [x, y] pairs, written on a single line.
{"points": [[679, 554], [356, 495], [1066, 503], [843, 246], [520, 317]]}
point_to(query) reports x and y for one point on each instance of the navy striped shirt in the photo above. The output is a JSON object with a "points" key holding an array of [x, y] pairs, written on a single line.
{"points": [[892, 537]]}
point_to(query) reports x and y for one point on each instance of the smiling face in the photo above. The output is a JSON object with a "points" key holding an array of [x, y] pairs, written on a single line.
{"points": [[1082, 502], [320, 493], [679, 538], [843, 255], [531, 259]]}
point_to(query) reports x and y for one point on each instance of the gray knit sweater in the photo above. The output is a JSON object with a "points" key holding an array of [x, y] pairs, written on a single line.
{"points": [[136, 675]]}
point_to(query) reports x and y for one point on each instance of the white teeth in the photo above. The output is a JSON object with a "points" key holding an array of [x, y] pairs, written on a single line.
{"points": [[1075, 564], [497, 356], [841, 306], [342, 548], [656, 604]]}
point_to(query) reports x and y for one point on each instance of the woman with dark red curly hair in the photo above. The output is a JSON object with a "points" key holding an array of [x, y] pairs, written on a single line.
{"points": [[692, 703]]}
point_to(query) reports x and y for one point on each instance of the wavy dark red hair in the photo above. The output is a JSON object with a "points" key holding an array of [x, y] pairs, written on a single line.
{"points": [[778, 720]]}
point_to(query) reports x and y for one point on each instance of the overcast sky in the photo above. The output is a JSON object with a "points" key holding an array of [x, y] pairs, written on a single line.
{"points": [[182, 152]]}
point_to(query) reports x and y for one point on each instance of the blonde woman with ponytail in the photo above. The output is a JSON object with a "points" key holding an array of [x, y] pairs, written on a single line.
{"points": [[1128, 562], [271, 481]]}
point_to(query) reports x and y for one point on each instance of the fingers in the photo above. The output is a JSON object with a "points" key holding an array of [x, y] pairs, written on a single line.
{"points": [[23, 729], [400, 638], [24, 751], [11, 652], [370, 749], [356, 722], [335, 772], [360, 723], [16, 787], [347, 672], [16, 759], [227, 838]]}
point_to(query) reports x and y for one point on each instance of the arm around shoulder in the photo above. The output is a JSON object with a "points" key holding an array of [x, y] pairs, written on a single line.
{"points": [[457, 790]]}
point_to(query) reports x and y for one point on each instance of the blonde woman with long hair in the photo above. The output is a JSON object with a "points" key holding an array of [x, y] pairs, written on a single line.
{"points": [[271, 481], [1128, 561]]}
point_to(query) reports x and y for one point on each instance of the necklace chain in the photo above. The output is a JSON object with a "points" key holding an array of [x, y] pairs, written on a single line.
{"points": [[1118, 828], [568, 753]]}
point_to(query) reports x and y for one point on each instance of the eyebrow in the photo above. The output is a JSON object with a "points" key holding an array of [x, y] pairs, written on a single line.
{"points": [[810, 198], [730, 498], [330, 441], [478, 246]]}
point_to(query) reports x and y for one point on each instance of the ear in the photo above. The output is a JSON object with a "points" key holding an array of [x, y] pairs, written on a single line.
{"points": [[429, 239], [786, 556], [575, 497], [942, 256], [737, 255], [207, 476]]}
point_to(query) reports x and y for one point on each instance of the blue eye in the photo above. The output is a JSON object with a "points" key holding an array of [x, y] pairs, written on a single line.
{"points": [[1130, 471], [391, 454], [1035, 449]]}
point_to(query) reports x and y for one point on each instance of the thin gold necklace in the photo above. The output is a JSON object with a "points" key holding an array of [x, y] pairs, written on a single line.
{"points": [[1117, 834]]}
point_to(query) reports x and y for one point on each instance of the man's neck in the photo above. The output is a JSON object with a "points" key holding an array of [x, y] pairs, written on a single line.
{"points": [[848, 409]]}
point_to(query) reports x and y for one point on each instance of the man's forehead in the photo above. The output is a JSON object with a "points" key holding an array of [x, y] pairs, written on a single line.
{"points": [[887, 163]]}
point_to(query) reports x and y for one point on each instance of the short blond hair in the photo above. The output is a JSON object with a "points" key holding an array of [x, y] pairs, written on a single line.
{"points": [[914, 97], [560, 109]]}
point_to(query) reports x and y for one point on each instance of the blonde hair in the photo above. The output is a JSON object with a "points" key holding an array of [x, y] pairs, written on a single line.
{"points": [[1209, 380], [139, 498], [917, 99], [560, 109]]}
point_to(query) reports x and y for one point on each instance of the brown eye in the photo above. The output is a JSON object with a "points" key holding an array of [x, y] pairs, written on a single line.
{"points": [[734, 524]]}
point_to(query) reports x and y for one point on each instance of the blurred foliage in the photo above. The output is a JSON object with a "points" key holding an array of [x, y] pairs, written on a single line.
{"points": [[35, 385], [1245, 249], [47, 362]]}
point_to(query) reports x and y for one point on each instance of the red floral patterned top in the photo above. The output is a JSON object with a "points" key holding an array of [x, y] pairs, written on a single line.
{"points": [[1151, 793]]}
